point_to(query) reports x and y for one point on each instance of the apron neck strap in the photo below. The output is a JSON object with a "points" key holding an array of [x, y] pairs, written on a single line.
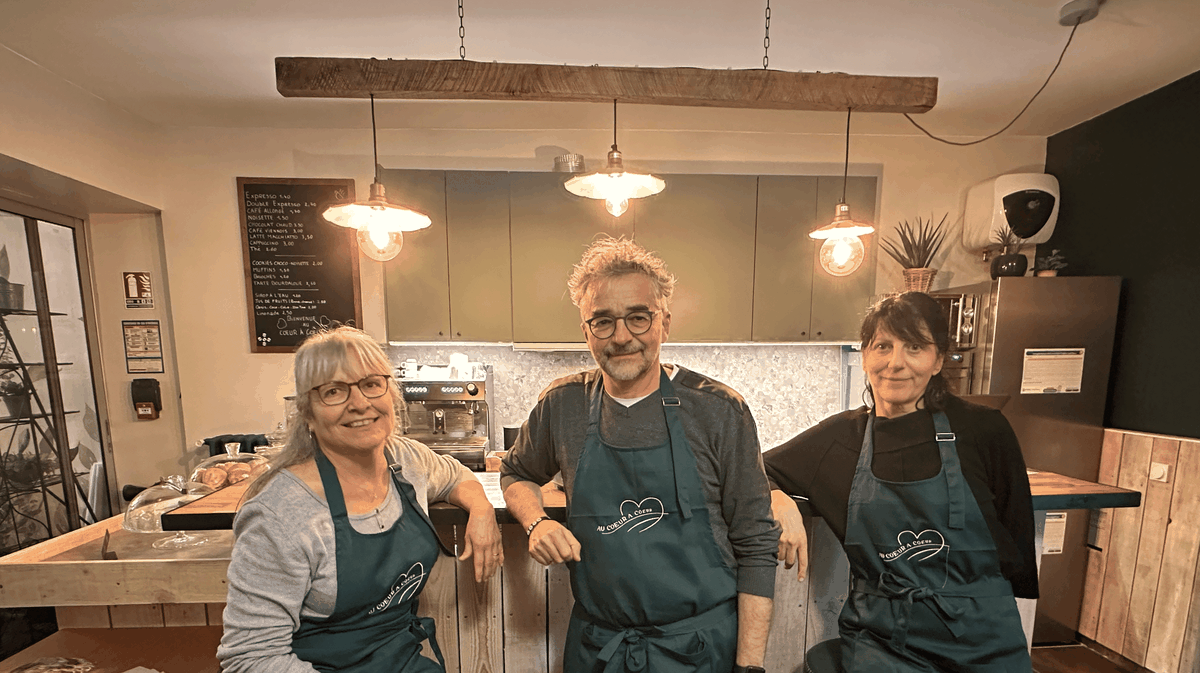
{"points": [[333, 487], [953, 468], [674, 429]]}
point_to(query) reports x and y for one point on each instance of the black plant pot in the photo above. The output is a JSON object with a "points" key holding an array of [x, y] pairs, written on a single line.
{"points": [[1009, 265]]}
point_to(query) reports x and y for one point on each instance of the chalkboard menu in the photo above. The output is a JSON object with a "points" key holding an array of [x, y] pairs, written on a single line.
{"points": [[301, 271]]}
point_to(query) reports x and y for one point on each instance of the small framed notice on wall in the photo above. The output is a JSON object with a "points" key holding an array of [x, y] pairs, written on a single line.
{"points": [[143, 347], [301, 271], [138, 293]]}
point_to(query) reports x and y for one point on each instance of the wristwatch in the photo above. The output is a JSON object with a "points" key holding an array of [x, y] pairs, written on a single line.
{"points": [[749, 669]]}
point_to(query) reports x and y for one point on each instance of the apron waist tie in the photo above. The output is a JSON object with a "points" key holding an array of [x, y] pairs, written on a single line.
{"points": [[424, 628], [610, 638], [903, 595]]}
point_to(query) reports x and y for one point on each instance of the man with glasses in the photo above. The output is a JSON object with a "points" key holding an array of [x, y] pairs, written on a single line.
{"points": [[669, 536]]}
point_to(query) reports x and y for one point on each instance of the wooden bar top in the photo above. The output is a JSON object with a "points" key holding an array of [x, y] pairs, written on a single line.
{"points": [[183, 649], [1050, 491]]}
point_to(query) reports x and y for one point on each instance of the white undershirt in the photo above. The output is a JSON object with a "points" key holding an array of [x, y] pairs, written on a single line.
{"points": [[630, 401]]}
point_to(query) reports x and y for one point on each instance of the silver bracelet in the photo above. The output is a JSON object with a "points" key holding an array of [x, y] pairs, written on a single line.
{"points": [[529, 531]]}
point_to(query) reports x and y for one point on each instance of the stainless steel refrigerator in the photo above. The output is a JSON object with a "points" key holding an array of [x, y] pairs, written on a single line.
{"points": [[1046, 344]]}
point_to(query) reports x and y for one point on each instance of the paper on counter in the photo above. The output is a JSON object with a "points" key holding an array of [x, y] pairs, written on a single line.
{"points": [[491, 488]]}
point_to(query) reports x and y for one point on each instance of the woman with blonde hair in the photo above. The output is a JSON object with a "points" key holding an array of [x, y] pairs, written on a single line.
{"points": [[334, 543]]}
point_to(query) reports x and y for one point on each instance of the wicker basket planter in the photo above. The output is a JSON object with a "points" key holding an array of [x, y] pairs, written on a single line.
{"points": [[918, 280]]}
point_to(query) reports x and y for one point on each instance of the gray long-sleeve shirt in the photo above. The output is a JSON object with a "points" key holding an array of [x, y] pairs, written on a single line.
{"points": [[720, 431], [284, 563]]}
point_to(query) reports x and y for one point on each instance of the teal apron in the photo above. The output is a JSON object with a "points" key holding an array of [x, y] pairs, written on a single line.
{"points": [[926, 590], [651, 591], [374, 626]]}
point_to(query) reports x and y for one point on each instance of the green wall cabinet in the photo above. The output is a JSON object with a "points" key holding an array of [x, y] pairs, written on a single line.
{"points": [[493, 266], [794, 299], [550, 227], [702, 226], [451, 280]]}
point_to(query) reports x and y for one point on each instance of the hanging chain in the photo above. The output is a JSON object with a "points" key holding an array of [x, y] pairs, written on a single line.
{"points": [[462, 33], [767, 38]]}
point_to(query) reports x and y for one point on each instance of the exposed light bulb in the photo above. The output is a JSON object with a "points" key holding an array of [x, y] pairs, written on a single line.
{"points": [[842, 256], [379, 244], [841, 251], [616, 208]]}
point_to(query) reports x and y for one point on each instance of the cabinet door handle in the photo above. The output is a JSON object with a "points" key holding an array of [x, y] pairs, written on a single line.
{"points": [[440, 333], [458, 334]]}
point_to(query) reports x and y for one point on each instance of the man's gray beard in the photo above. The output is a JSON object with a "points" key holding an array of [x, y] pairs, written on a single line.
{"points": [[626, 371]]}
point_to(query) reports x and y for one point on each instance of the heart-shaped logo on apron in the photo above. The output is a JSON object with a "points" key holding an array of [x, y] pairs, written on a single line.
{"points": [[636, 517], [404, 588], [915, 546]]}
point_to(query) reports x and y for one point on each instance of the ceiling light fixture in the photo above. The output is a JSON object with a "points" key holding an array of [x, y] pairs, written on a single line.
{"points": [[379, 222], [614, 184], [843, 252]]}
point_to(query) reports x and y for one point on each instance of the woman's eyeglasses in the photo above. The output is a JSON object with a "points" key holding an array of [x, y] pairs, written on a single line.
{"points": [[336, 392], [637, 322]]}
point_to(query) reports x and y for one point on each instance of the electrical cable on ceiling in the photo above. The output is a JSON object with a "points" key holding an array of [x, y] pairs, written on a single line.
{"points": [[462, 33], [1014, 120]]}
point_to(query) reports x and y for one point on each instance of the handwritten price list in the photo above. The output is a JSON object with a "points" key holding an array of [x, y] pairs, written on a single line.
{"points": [[302, 270]]}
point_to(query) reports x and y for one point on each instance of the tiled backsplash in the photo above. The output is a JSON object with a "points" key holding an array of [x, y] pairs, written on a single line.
{"points": [[789, 387]]}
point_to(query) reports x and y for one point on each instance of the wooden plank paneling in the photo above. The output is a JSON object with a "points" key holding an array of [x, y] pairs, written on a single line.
{"points": [[559, 602], [480, 622], [215, 613], [83, 617], [439, 601], [1176, 583], [785, 646], [828, 585], [1189, 659], [184, 614], [1156, 508], [1110, 467], [136, 616], [1123, 548], [524, 604]]}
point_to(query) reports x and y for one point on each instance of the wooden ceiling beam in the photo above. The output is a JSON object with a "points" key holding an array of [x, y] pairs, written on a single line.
{"points": [[317, 77]]}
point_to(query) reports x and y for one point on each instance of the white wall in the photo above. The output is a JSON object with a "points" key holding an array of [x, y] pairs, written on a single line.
{"points": [[143, 451], [226, 388], [53, 124]]}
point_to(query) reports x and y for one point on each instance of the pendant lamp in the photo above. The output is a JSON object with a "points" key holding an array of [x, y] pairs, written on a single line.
{"points": [[379, 222], [614, 184], [843, 252]]}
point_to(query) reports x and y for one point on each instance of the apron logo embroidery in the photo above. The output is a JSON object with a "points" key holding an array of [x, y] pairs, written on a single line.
{"points": [[915, 547], [405, 586], [637, 516]]}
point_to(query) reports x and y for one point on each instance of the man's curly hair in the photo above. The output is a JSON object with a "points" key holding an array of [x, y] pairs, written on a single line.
{"points": [[609, 257]]}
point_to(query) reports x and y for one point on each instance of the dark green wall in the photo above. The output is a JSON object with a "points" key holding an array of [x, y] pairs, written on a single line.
{"points": [[1130, 183]]}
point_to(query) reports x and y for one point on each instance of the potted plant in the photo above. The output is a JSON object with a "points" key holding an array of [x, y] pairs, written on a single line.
{"points": [[14, 394], [12, 295], [915, 251], [1049, 265], [1009, 261]]}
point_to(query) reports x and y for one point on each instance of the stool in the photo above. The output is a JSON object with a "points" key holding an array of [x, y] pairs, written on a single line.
{"points": [[824, 657]]}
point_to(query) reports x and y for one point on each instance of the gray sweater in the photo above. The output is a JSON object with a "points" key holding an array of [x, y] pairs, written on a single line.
{"points": [[284, 563], [722, 435]]}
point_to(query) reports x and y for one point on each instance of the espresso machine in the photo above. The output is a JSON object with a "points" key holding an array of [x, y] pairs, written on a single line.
{"points": [[448, 408]]}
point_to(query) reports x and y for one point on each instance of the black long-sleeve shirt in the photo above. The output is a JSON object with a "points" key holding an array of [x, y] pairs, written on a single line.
{"points": [[819, 464]]}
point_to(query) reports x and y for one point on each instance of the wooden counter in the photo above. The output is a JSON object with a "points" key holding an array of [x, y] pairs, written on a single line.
{"points": [[1050, 491], [189, 649], [515, 622]]}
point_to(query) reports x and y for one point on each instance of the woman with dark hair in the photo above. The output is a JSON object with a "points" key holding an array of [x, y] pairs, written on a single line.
{"points": [[333, 544], [930, 498]]}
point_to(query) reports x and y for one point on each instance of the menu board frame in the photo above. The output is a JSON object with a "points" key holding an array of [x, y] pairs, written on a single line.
{"points": [[332, 273]]}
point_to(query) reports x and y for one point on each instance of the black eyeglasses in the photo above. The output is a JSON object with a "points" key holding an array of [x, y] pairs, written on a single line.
{"points": [[637, 322], [336, 392]]}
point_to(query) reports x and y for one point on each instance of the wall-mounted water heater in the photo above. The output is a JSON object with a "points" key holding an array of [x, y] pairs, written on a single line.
{"points": [[1026, 202]]}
